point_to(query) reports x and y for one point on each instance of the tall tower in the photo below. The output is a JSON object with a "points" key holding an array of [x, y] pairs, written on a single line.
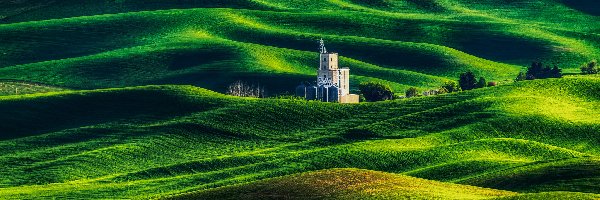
{"points": [[329, 73], [333, 83]]}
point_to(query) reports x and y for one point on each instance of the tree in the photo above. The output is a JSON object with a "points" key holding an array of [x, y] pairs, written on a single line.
{"points": [[481, 83], [451, 86], [546, 73], [412, 92], [590, 68], [534, 71], [376, 91], [538, 71], [556, 72], [521, 77], [242, 89], [467, 81]]}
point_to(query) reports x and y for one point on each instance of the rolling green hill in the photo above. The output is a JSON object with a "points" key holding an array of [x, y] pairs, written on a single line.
{"points": [[363, 184], [348, 184], [124, 99], [154, 141], [210, 44], [10, 87]]}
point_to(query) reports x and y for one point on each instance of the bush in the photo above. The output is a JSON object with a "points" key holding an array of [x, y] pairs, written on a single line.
{"points": [[521, 77], [590, 68], [538, 71], [467, 81], [534, 71], [376, 91], [442, 90], [451, 86], [362, 98], [412, 92], [482, 83], [556, 72]]}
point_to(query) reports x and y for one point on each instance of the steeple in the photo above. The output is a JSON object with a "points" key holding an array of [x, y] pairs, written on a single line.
{"points": [[322, 46], [328, 73]]}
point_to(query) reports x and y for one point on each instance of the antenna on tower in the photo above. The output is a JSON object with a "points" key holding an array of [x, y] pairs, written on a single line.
{"points": [[322, 46]]}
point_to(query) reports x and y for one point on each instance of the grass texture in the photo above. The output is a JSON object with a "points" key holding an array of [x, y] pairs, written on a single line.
{"points": [[160, 141], [211, 44]]}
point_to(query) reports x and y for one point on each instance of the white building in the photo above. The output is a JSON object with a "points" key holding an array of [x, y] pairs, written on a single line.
{"points": [[333, 82]]}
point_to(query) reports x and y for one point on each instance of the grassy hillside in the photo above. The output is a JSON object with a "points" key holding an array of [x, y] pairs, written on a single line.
{"points": [[156, 141], [9, 87], [363, 184], [348, 184], [214, 43]]}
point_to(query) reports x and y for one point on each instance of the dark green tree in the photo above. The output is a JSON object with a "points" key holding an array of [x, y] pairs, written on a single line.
{"points": [[590, 68], [546, 73], [538, 71], [467, 81], [521, 77], [451, 86], [412, 92], [481, 83], [534, 71], [556, 72], [376, 91]]}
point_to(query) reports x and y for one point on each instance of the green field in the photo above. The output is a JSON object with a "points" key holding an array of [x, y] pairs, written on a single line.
{"points": [[110, 99], [11, 87], [154, 141]]}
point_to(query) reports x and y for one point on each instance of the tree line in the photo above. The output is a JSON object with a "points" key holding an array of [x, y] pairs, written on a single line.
{"points": [[537, 71], [379, 91], [468, 81], [243, 89]]}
